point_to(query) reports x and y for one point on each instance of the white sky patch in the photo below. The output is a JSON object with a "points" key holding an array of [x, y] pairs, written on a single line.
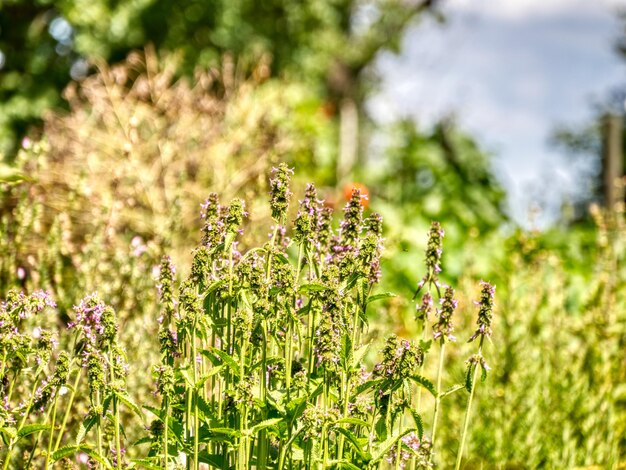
{"points": [[526, 9], [510, 71]]}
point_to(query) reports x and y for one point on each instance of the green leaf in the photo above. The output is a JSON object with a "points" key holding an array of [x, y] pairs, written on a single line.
{"points": [[354, 442], [145, 463], [381, 428], [384, 448], [263, 425], [214, 460], [214, 355], [178, 431], [419, 423], [204, 377], [204, 407], [71, 450], [31, 429], [213, 287], [218, 435], [307, 288], [451, 390], [424, 382], [469, 373], [367, 385], [11, 175], [386, 295], [230, 237], [9, 431], [124, 398], [354, 421], [343, 463], [85, 426], [359, 354], [425, 345]]}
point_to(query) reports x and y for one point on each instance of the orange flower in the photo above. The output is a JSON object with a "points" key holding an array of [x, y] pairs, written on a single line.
{"points": [[350, 187]]}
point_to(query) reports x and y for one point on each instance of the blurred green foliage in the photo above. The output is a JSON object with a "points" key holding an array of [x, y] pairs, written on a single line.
{"points": [[327, 43]]}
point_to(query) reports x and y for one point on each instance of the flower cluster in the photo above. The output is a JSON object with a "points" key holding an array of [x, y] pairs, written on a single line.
{"points": [[485, 312], [213, 228], [95, 320], [306, 219], [433, 256], [443, 328], [19, 305], [166, 288], [314, 419], [371, 248], [279, 191], [412, 446], [401, 359], [423, 310], [49, 387], [235, 215]]}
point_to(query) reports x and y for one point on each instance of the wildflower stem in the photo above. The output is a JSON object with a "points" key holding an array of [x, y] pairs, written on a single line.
{"points": [[194, 397], [438, 397], [21, 424], [459, 456], [54, 413], [99, 425], [68, 410], [166, 432], [116, 418]]}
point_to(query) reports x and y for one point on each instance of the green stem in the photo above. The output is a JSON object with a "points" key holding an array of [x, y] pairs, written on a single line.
{"points": [[54, 413], [99, 425], [21, 424], [68, 409], [116, 418], [438, 397], [194, 398], [166, 433], [459, 456]]}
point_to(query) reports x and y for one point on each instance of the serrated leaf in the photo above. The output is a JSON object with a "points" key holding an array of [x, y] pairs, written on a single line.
{"points": [[204, 407], [214, 354], [483, 373], [469, 377], [384, 448], [343, 463], [178, 431], [386, 295], [204, 377], [314, 287], [11, 175], [367, 385], [354, 421], [451, 390], [214, 460], [354, 442], [145, 463], [424, 382], [84, 427], [419, 423], [218, 435], [71, 450], [359, 354], [124, 398], [425, 345], [31, 429], [263, 425], [213, 287]]}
